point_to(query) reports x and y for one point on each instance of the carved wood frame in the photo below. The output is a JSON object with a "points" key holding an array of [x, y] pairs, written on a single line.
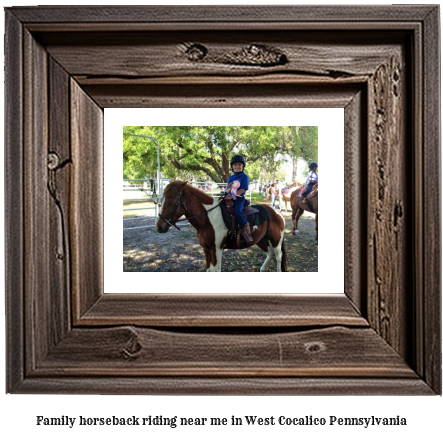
{"points": [[64, 335]]}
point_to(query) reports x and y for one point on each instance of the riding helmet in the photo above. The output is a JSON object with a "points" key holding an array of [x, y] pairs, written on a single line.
{"points": [[238, 159], [313, 165]]}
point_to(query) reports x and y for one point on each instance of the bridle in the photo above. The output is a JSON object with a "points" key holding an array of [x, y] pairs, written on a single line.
{"points": [[169, 220]]}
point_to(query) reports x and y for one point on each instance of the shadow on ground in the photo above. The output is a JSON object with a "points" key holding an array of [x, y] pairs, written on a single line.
{"points": [[145, 250]]}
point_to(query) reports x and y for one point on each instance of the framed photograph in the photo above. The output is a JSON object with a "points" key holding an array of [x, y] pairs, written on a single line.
{"points": [[178, 251], [380, 334]]}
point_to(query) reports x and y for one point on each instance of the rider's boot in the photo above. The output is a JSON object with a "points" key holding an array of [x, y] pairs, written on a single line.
{"points": [[247, 229], [246, 233]]}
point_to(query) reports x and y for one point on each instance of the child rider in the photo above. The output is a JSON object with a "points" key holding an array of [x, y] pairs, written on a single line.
{"points": [[310, 180], [238, 163]]}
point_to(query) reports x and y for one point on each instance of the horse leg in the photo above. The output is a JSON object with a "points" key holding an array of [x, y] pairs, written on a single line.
{"points": [[265, 245], [280, 253], [218, 259], [208, 258], [316, 227], [294, 211], [295, 217], [213, 259], [213, 254]]}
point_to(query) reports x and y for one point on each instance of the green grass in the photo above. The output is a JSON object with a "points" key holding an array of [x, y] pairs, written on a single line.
{"points": [[256, 198]]}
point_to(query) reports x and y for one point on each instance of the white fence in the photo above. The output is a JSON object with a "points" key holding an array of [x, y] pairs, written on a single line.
{"points": [[141, 198]]}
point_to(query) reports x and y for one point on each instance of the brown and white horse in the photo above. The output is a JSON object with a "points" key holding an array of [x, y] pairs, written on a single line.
{"points": [[204, 214], [298, 209]]}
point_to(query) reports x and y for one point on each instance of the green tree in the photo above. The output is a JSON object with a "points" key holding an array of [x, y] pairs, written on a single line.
{"points": [[203, 151], [302, 143]]}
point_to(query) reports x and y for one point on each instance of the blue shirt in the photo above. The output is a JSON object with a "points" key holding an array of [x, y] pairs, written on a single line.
{"points": [[242, 178]]}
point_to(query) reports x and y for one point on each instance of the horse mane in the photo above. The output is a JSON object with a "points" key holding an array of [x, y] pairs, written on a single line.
{"points": [[197, 193]]}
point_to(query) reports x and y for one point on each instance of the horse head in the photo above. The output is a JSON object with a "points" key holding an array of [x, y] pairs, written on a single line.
{"points": [[172, 206]]}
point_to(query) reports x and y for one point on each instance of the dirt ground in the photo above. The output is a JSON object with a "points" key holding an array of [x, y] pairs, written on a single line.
{"points": [[145, 250]]}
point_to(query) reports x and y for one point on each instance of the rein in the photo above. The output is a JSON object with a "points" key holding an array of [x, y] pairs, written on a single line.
{"points": [[179, 201]]}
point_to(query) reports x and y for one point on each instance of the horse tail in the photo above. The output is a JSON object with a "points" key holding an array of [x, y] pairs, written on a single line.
{"points": [[284, 267]]}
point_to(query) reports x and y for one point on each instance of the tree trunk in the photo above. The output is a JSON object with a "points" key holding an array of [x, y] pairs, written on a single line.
{"points": [[259, 177], [294, 168], [226, 168]]}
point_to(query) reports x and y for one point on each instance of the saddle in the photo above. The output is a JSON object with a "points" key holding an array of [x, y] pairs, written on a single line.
{"points": [[255, 215], [312, 193], [247, 210]]}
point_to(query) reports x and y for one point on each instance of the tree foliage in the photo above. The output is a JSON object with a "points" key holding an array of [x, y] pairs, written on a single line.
{"points": [[302, 143], [204, 152]]}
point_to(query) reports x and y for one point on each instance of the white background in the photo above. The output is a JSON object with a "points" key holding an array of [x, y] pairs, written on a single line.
{"points": [[18, 412], [328, 279]]}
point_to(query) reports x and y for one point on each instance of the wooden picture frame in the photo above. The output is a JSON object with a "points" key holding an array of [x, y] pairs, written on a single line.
{"points": [[65, 64]]}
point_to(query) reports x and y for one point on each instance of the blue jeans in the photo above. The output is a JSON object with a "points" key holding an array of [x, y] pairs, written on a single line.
{"points": [[307, 191], [273, 202], [239, 204]]}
